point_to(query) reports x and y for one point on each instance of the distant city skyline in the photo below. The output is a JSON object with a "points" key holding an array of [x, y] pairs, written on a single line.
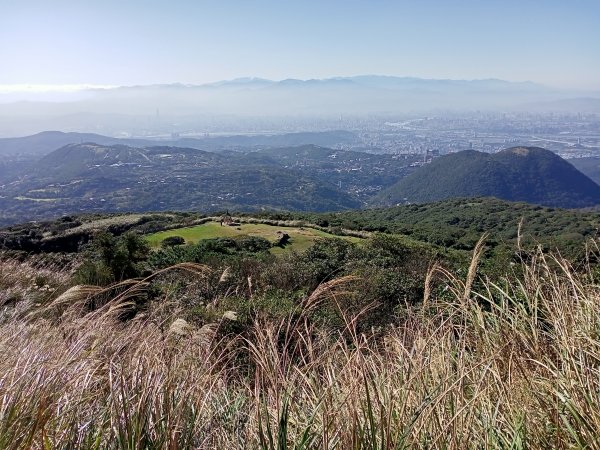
{"points": [[116, 43]]}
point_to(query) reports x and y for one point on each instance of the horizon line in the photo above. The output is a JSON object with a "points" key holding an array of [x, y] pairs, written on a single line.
{"points": [[41, 88]]}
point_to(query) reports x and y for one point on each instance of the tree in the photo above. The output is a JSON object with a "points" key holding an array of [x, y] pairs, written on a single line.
{"points": [[114, 258]]}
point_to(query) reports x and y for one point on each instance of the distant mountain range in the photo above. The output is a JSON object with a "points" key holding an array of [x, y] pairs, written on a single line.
{"points": [[529, 174], [260, 104], [375, 81], [331, 96]]}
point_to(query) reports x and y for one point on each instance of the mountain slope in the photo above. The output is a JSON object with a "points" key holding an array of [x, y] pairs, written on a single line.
{"points": [[589, 166], [47, 141], [529, 174], [92, 178], [460, 223]]}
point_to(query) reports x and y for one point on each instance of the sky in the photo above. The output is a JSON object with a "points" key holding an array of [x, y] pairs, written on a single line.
{"points": [[138, 42]]}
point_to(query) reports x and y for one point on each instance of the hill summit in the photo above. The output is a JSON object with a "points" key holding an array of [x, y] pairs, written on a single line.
{"points": [[530, 174]]}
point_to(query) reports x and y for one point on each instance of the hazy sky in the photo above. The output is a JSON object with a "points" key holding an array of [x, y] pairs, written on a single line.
{"points": [[127, 42]]}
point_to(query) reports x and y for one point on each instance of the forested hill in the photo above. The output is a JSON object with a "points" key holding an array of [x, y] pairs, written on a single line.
{"points": [[92, 177], [529, 174], [459, 223]]}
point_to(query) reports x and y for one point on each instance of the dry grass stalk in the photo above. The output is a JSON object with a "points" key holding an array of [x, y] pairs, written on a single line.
{"points": [[521, 368]]}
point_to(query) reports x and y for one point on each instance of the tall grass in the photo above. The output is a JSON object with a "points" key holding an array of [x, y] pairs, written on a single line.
{"points": [[510, 364]]}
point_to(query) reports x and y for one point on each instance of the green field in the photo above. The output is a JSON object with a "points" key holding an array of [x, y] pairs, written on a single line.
{"points": [[301, 238]]}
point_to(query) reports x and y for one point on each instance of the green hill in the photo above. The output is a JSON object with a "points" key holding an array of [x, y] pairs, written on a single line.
{"points": [[459, 223], [98, 178], [529, 174]]}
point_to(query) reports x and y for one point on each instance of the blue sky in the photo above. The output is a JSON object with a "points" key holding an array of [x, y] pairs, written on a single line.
{"points": [[154, 41]]}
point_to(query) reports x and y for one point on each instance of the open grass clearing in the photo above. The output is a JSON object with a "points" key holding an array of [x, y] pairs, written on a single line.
{"points": [[301, 238]]}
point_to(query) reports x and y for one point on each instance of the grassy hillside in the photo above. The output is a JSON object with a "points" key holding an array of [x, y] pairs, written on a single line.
{"points": [[384, 345], [456, 224], [527, 174], [459, 223], [301, 238]]}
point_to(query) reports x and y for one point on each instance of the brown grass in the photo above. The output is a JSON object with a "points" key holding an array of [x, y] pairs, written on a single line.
{"points": [[514, 364]]}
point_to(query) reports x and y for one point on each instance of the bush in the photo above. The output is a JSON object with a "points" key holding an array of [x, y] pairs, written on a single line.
{"points": [[326, 259], [253, 244], [211, 251], [114, 259], [172, 241], [94, 273]]}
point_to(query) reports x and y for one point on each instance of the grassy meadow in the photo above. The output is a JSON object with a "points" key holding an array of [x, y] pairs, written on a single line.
{"points": [[301, 238]]}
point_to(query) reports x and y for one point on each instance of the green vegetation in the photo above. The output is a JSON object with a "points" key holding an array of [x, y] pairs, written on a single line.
{"points": [[387, 344], [300, 237], [527, 174], [171, 241], [113, 259], [459, 224], [455, 224], [93, 178], [69, 234]]}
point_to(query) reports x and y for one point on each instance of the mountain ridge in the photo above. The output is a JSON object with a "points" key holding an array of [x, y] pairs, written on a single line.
{"points": [[361, 94], [47, 141]]}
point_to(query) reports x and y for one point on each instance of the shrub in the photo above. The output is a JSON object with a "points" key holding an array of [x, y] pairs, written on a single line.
{"points": [[114, 258], [172, 241]]}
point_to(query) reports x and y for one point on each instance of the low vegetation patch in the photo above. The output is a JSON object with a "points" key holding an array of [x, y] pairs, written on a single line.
{"points": [[300, 238], [217, 342], [194, 357]]}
